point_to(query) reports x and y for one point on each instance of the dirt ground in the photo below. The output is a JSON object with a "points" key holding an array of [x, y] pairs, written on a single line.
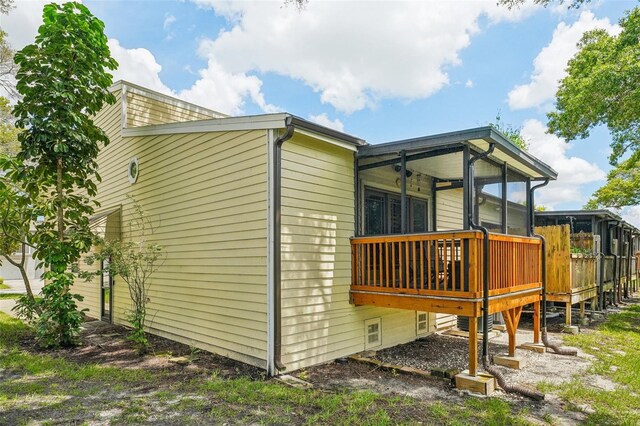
{"points": [[450, 352]]}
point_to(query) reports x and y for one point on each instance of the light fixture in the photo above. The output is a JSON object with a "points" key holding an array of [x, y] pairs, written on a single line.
{"points": [[398, 168], [133, 170]]}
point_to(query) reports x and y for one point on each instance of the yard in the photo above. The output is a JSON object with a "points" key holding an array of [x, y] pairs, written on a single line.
{"points": [[104, 382]]}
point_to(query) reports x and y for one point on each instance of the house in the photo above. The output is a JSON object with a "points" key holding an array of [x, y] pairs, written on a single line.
{"points": [[290, 244], [573, 278]]}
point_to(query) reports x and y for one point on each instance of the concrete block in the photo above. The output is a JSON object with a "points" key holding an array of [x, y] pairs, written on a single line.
{"points": [[571, 329]]}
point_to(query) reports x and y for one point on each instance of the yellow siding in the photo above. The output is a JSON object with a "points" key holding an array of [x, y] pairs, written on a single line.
{"points": [[144, 111], [206, 196], [318, 323], [449, 210]]}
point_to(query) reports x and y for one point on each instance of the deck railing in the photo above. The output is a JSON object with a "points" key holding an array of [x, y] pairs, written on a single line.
{"points": [[583, 270], [444, 263]]}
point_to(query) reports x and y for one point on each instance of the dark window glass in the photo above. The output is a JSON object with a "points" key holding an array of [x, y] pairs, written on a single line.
{"points": [[395, 224], [375, 217], [418, 216]]}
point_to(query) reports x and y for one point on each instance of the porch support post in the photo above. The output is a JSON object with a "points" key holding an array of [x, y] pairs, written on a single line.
{"points": [[466, 188], [504, 198], [403, 191], [473, 346], [536, 322], [531, 219]]}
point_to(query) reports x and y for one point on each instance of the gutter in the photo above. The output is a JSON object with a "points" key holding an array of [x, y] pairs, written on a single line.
{"points": [[274, 361]]}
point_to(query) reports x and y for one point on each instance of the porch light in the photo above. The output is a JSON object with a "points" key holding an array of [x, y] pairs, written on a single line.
{"points": [[397, 168]]}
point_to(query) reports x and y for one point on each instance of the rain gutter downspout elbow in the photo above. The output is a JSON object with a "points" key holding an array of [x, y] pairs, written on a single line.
{"points": [[277, 244], [556, 349]]}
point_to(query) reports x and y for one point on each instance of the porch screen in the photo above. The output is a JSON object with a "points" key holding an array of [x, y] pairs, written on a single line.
{"points": [[488, 195], [517, 209]]}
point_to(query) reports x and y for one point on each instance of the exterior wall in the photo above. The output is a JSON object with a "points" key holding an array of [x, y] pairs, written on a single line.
{"points": [[449, 210], [318, 322], [143, 111], [206, 196]]}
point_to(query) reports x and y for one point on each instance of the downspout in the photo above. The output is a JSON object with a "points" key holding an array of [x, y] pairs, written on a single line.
{"points": [[277, 242], [486, 362], [485, 259], [555, 348], [601, 259], [614, 293]]}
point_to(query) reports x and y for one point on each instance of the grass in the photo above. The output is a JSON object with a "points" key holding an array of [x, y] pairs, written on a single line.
{"points": [[43, 387], [3, 286], [9, 296], [616, 348]]}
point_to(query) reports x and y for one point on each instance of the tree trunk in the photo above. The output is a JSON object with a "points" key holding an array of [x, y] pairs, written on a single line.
{"points": [[60, 200]]}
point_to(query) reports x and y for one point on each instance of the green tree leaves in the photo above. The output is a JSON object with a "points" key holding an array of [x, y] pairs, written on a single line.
{"points": [[64, 80], [602, 88]]}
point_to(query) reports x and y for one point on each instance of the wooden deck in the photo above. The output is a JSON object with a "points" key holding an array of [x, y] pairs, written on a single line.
{"points": [[571, 277], [442, 272]]}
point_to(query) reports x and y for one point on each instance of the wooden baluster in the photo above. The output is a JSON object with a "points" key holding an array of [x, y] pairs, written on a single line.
{"points": [[462, 266], [437, 264], [386, 256], [453, 265], [393, 261], [380, 264], [445, 264], [429, 280], [407, 276], [415, 269], [374, 263], [421, 264]]}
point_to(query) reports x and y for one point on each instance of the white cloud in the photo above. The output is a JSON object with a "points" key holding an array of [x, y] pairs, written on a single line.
{"points": [[573, 172], [549, 66], [631, 215], [353, 54], [22, 23], [168, 20], [469, 84], [215, 89], [324, 120], [137, 66]]}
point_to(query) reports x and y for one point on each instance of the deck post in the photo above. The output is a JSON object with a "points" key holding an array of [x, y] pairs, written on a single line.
{"points": [[567, 319], [473, 346], [582, 310], [536, 322]]}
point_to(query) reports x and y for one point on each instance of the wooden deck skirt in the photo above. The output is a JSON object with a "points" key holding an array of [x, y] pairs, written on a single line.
{"points": [[441, 272]]}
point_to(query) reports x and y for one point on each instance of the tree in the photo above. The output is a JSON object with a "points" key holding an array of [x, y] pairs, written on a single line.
{"points": [[601, 88], [64, 80], [17, 214], [9, 144], [7, 66], [573, 4], [133, 261], [513, 133]]}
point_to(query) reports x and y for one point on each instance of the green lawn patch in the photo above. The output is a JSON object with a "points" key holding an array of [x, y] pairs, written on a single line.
{"points": [[3, 286], [616, 348], [9, 296]]}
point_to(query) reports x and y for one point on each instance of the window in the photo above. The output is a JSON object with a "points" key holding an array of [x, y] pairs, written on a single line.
{"points": [[373, 333], [422, 322], [383, 213]]}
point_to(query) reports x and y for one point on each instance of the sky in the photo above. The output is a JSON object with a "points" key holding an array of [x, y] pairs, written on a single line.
{"points": [[380, 70]]}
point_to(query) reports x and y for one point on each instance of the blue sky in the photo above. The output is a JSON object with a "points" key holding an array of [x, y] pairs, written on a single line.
{"points": [[381, 71]]}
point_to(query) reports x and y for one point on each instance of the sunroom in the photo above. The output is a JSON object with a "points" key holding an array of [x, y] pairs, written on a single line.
{"points": [[443, 225]]}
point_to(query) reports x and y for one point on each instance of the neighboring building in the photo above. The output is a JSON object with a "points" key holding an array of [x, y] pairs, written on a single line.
{"points": [[257, 215], [615, 244], [10, 272]]}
